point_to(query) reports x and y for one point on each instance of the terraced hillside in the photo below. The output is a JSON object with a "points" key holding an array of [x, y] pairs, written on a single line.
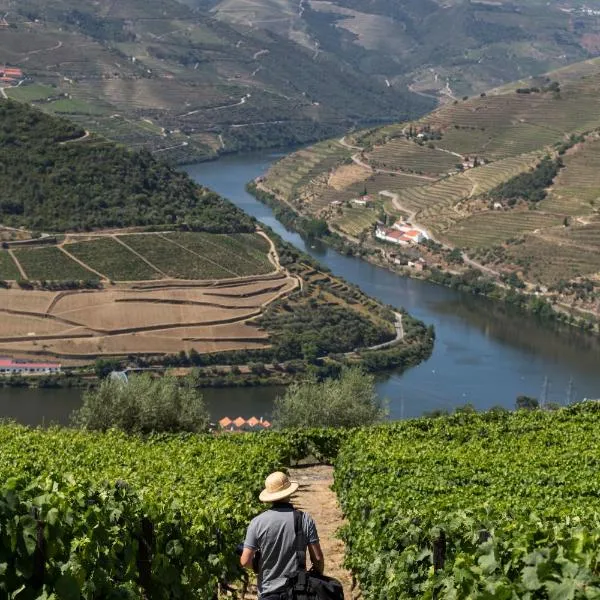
{"points": [[160, 75], [449, 173]]}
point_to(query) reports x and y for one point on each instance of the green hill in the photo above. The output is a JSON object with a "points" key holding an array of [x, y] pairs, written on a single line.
{"points": [[54, 178]]}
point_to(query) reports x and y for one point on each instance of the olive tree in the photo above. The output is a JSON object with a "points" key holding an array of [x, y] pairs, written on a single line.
{"points": [[349, 401], [143, 404]]}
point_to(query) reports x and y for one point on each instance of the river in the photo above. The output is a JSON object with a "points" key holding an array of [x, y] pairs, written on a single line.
{"points": [[485, 353]]}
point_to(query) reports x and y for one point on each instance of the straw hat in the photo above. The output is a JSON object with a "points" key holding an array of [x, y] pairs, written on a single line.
{"points": [[277, 487]]}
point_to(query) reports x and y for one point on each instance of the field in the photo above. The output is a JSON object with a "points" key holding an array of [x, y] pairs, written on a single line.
{"points": [[8, 269], [548, 260], [576, 191], [492, 228], [404, 155], [491, 502], [158, 318], [134, 317], [354, 221], [495, 505], [147, 256], [51, 263], [113, 260], [288, 176]]}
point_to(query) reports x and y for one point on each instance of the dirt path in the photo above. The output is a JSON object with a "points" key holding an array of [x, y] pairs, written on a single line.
{"points": [[316, 498]]}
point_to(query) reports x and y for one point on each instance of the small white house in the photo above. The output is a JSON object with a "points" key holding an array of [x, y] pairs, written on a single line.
{"points": [[362, 201]]}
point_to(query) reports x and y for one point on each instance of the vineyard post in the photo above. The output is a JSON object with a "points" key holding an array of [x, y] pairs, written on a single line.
{"points": [[439, 555], [39, 557], [144, 559]]}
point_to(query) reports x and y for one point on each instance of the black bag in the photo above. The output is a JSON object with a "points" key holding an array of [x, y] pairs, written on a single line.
{"points": [[310, 585]]}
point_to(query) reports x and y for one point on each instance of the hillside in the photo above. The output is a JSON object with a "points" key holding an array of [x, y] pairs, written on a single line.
{"points": [[107, 252], [494, 505], [175, 80], [442, 49], [503, 184], [57, 177]]}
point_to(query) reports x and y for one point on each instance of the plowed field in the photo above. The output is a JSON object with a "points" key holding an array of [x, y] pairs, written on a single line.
{"points": [[159, 318]]}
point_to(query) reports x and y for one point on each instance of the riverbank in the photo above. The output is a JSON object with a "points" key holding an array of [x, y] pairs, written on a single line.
{"points": [[475, 279]]}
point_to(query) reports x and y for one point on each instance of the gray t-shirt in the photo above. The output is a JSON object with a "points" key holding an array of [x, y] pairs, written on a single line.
{"points": [[272, 532]]}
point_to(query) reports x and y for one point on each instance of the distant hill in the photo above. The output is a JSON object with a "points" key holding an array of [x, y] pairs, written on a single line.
{"points": [[442, 48], [182, 83], [505, 183]]}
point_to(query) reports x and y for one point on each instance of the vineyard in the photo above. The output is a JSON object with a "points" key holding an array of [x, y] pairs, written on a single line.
{"points": [[495, 505], [475, 506], [405, 155], [8, 268], [86, 515], [491, 228], [50, 263], [141, 257]]}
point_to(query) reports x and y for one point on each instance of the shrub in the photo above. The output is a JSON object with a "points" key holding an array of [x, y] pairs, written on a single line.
{"points": [[143, 405], [349, 401]]}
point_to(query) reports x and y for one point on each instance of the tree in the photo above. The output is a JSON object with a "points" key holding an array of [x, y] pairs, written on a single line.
{"points": [[143, 405], [349, 401], [527, 403]]}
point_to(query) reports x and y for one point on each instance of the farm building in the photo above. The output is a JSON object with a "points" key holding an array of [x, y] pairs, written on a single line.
{"points": [[402, 236], [241, 424], [362, 201], [9, 366], [10, 74]]}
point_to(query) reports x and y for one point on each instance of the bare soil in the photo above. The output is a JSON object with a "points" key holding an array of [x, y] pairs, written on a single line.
{"points": [[316, 497]]}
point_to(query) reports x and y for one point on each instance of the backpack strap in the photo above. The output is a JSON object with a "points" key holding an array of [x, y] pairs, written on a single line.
{"points": [[299, 548]]}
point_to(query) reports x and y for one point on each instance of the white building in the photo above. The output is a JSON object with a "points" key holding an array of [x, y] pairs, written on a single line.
{"points": [[17, 367]]}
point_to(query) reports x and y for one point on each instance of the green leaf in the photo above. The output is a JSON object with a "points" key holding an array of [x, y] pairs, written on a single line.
{"points": [[530, 579], [564, 590], [67, 587]]}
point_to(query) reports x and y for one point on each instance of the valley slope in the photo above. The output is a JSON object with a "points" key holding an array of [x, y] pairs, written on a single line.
{"points": [[187, 86], [503, 184]]}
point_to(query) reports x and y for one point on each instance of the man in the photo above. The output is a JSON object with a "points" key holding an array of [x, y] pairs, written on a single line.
{"points": [[272, 534]]}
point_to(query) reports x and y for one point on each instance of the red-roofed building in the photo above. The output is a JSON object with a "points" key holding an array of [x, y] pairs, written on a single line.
{"points": [[225, 422], [13, 72], [239, 422], [20, 367]]}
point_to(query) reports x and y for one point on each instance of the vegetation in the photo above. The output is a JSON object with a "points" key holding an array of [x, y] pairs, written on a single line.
{"points": [[350, 401], [84, 185], [88, 514], [494, 505], [531, 186], [142, 404], [470, 505], [48, 262], [105, 255]]}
